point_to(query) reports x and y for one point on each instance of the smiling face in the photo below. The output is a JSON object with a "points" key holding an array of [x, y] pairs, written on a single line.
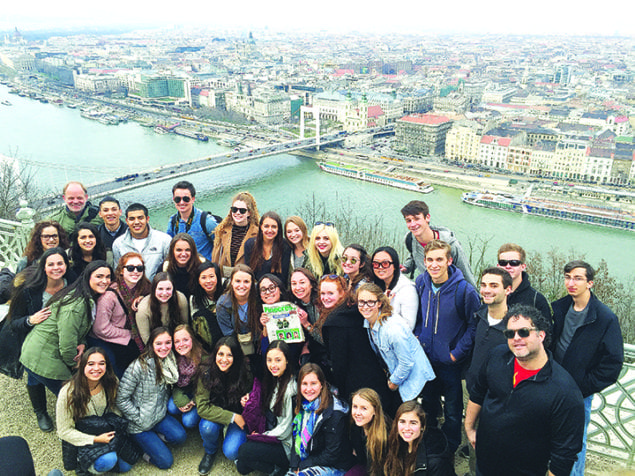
{"points": [[269, 291], [380, 261], [75, 198], [437, 263], [86, 240], [276, 362], [137, 222], [330, 294], [55, 267], [164, 291], [110, 213], [294, 234], [351, 261], [131, 278], [162, 345], [310, 388], [182, 253], [492, 290], [241, 285], [301, 286], [269, 229], [183, 201], [418, 224], [409, 427], [99, 280], [224, 358], [49, 237], [208, 281], [362, 411], [240, 213], [182, 342], [368, 306], [95, 367], [323, 243], [525, 348]]}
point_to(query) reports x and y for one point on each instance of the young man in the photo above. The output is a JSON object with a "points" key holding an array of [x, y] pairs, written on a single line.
{"points": [[417, 216], [113, 226], [511, 257], [496, 285], [446, 330], [587, 340], [188, 219], [78, 209], [531, 413], [153, 245]]}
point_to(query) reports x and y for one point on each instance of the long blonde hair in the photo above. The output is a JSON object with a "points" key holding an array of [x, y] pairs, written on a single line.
{"points": [[376, 433], [335, 255]]}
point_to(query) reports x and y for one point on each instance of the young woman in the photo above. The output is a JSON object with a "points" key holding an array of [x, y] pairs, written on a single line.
{"points": [[369, 431], [28, 309], [320, 439], [115, 329], [297, 236], [189, 354], [143, 396], [238, 311], [207, 288], [223, 383], [240, 224], [356, 266], [183, 259], [415, 449], [275, 406], [325, 250], [86, 246], [163, 307], [45, 235], [56, 344], [268, 252], [399, 289], [407, 364], [86, 421], [353, 363]]}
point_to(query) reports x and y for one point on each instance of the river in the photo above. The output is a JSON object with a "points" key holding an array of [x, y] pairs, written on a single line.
{"points": [[61, 145]]}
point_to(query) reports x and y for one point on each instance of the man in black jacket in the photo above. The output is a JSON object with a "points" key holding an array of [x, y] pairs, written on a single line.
{"points": [[512, 258], [587, 340], [531, 413]]}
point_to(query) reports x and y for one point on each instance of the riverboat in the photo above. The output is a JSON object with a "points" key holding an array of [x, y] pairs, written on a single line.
{"points": [[591, 214], [381, 178]]}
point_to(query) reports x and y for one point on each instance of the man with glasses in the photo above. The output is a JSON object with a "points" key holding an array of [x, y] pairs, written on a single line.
{"points": [[445, 327], [198, 224], [511, 257], [530, 414], [587, 340]]}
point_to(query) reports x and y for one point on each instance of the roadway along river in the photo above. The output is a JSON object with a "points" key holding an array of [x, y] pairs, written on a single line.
{"points": [[66, 146]]}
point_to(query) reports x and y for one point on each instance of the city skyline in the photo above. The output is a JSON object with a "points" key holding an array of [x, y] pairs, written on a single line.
{"points": [[491, 17]]}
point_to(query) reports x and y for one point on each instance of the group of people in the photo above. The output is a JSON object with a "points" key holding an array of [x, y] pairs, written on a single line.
{"points": [[176, 337]]}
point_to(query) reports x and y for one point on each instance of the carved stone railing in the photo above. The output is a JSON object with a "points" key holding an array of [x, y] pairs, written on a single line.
{"points": [[611, 433], [14, 236]]}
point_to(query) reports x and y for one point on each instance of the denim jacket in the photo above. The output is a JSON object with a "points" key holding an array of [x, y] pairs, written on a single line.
{"points": [[203, 244], [399, 348]]}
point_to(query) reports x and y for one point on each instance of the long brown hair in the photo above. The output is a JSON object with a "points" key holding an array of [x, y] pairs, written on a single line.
{"points": [[196, 354], [376, 433], [174, 311], [326, 399], [400, 461], [79, 390], [257, 257], [228, 221], [253, 309], [34, 248], [149, 354], [194, 259]]}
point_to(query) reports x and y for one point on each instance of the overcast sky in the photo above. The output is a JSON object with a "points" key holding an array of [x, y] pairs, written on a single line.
{"points": [[433, 16]]}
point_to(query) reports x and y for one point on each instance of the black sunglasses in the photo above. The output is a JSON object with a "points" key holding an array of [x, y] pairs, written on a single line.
{"points": [[242, 211], [185, 199], [510, 262], [130, 268], [522, 332]]}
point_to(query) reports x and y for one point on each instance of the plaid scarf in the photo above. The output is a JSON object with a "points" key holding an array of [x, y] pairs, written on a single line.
{"points": [[187, 368], [128, 296], [303, 427]]}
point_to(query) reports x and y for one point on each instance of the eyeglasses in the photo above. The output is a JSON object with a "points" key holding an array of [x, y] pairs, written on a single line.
{"points": [[567, 278], [509, 262], [361, 304], [50, 237], [185, 199], [242, 211], [269, 289], [522, 332], [382, 264], [351, 259], [325, 223], [130, 268]]}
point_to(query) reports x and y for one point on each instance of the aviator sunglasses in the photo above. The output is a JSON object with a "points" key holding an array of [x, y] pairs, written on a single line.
{"points": [[522, 332], [185, 199]]}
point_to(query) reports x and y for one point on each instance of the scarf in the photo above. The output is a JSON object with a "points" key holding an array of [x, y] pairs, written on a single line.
{"points": [[304, 426], [128, 296], [170, 369], [186, 370]]}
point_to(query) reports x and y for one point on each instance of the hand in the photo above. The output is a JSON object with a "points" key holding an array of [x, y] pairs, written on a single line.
{"points": [[188, 407], [239, 420], [264, 318], [104, 437], [304, 318], [244, 400], [135, 303], [80, 351], [471, 436], [42, 315], [402, 268], [452, 358], [392, 386]]}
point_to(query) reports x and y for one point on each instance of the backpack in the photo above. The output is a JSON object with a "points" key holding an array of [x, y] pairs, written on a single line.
{"points": [[174, 225]]}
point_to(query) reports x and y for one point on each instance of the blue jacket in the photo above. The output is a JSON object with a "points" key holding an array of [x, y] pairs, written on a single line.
{"points": [[203, 244], [442, 328], [406, 361]]}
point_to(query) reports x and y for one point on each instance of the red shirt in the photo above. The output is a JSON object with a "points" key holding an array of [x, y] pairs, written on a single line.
{"points": [[521, 374]]}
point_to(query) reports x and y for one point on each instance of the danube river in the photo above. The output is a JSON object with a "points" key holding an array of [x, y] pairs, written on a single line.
{"points": [[61, 145]]}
